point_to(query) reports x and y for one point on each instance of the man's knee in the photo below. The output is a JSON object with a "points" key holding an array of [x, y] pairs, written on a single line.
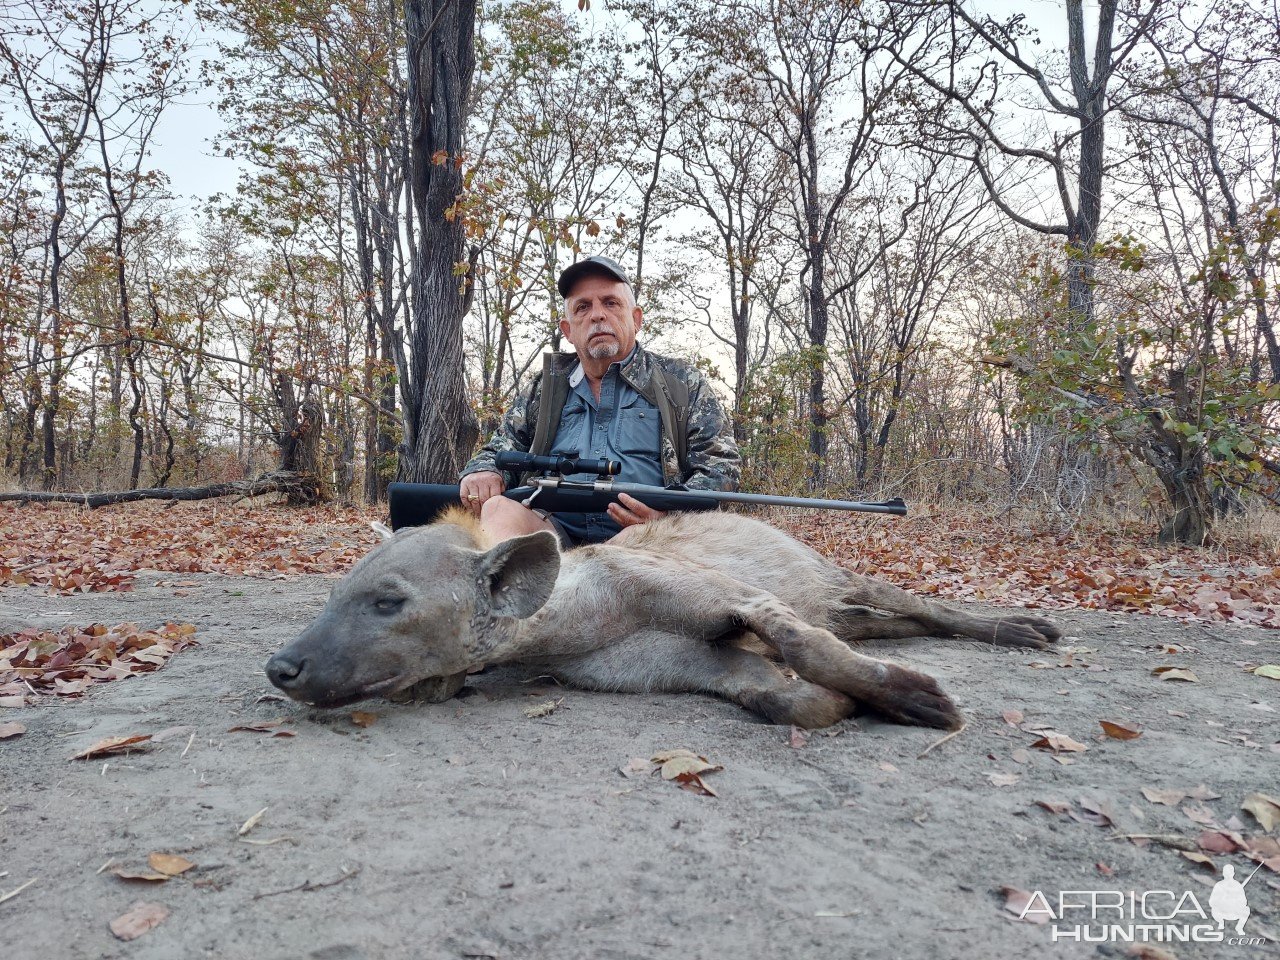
{"points": [[504, 518]]}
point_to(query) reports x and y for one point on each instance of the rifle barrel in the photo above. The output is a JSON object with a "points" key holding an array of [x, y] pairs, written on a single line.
{"points": [[895, 507]]}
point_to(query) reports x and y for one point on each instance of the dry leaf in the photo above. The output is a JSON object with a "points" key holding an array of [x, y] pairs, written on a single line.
{"points": [[1170, 798], [542, 709], [1098, 812], [1054, 806], [363, 719], [1020, 756], [169, 863], [1215, 841], [1058, 742], [634, 766], [1270, 670], [1017, 900], [1012, 717], [140, 918], [1200, 814], [799, 737], [11, 729], [686, 768], [1003, 779], [1265, 809], [1119, 731], [112, 745], [1203, 793], [252, 822], [257, 726], [132, 873], [1175, 673], [1199, 858]]}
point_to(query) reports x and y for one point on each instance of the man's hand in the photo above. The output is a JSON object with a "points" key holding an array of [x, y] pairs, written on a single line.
{"points": [[476, 488], [631, 511]]}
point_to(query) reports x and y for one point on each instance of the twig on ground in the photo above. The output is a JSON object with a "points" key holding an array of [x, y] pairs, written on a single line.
{"points": [[308, 885], [13, 893], [937, 743]]}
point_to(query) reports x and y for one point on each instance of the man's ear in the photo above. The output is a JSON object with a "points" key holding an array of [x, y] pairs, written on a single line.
{"points": [[637, 316], [565, 328], [517, 576]]}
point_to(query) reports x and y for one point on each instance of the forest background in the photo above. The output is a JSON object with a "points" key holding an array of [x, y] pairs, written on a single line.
{"points": [[944, 250]]}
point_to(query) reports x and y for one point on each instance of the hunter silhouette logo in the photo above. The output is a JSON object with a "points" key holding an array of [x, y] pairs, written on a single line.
{"points": [[1228, 900]]}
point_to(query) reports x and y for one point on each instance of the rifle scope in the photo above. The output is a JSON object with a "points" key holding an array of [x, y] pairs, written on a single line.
{"points": [[562, 464]]}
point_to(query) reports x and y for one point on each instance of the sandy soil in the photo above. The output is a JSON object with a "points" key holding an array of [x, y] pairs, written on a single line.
{"points": [[468, 829]]}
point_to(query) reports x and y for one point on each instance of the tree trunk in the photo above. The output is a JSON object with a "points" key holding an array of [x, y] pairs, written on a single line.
{"points": [[440, 426]]}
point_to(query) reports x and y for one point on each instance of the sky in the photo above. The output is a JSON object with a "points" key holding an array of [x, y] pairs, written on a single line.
{"points": [[184, 142]]}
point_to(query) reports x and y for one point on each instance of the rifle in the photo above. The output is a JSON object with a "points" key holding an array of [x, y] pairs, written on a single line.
{"points": [[416, 504]]}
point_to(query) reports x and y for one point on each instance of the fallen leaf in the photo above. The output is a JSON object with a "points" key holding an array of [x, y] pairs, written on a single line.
{"points": [[1170, 798], [634, 766], [257, 726], [1003, 779], [1269, 670], [169, 863], [1200, 814], [1199, 858], [799, 737], [1012, 717], [1176, 673], [1016, 902], [1203, 793], [363, 719], [1119, 731], [140, 918], [113, 745], [887, 767], [1105, 869], [252, 822], [1098, 812], [1265, 809], [542, 709], [1020, 756], [1054, 806], [11, 729], [1215, 841], [686, 768], [1058, 742], [136, 873]]}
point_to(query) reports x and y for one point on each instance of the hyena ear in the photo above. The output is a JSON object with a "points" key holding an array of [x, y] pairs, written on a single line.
{"points": [[517, 576], [381, 529]]}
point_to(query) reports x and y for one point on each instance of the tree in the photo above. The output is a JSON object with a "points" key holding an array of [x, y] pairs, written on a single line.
{"points": [[440, 426]]}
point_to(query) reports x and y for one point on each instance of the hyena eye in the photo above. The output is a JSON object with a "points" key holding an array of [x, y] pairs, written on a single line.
{"points": [[389, 604]]}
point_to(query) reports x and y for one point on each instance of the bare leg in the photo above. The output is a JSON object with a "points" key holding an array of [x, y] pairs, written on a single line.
{"points": [[656, 660], [1015, 630], [502, 519]]}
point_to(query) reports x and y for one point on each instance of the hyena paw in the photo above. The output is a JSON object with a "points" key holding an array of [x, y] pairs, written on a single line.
{"points": [[916, 699]]}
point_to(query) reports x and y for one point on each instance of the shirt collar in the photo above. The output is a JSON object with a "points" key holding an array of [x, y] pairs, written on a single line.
{"points": [[578, 373]]}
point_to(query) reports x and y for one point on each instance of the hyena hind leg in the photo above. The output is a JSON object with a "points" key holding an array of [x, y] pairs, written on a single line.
{"points": [[1014, 630]]}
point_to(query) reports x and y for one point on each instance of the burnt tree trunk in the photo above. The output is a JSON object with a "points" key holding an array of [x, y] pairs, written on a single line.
{"points": [[440, 425]]}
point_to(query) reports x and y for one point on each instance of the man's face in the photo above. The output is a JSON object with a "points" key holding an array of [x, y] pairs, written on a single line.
{"points": [[602, 319]]}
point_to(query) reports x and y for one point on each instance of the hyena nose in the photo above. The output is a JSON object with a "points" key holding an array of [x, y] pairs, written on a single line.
{"points": [[284, 671]]}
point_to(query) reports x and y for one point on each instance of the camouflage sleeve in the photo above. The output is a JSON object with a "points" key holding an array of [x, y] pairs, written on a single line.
{"points": [[714, 462], [514, 433]]}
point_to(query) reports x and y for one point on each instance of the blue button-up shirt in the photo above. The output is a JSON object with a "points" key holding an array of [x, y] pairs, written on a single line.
{"points": [[622, 425]]}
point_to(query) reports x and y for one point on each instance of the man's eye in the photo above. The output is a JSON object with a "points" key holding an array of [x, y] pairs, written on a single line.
{"points": [[388, 604]]}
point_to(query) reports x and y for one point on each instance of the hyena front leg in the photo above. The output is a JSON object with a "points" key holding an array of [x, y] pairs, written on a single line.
{"points": [[661, 661]]}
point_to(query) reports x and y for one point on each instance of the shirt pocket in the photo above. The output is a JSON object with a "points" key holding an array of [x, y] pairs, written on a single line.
{"points": [[638, 427], [570, 433]]}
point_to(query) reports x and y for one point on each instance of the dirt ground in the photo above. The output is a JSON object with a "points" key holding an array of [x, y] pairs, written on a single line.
{"points": [[468, 829]]}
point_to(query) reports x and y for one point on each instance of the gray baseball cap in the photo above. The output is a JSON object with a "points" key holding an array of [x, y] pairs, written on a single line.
{"points": [[591, 266]]}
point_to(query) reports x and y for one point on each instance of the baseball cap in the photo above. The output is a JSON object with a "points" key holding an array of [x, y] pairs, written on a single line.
{"points": [[598, 266]]}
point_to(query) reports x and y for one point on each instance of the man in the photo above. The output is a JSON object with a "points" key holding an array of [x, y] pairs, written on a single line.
{"points": [[656, 415]]}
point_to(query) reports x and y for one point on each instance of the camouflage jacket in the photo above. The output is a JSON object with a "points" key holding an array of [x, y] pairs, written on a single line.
{"points": [[696, 442]]}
